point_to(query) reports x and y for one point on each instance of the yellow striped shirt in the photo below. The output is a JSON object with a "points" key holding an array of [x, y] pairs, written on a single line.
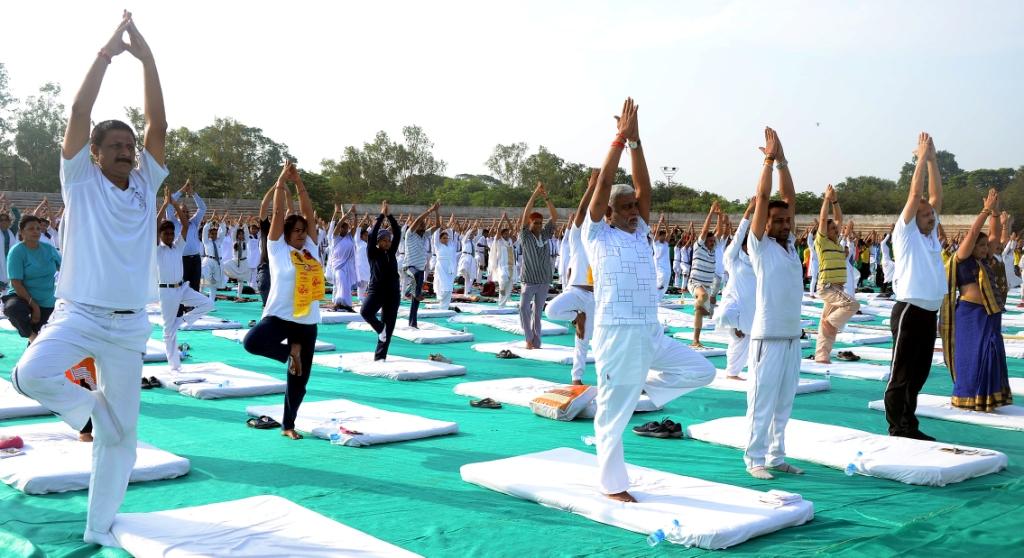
{"points": [[831, 260]]}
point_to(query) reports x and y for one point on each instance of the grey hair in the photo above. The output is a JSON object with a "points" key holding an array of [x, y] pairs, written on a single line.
{"points": [[619, 190]]}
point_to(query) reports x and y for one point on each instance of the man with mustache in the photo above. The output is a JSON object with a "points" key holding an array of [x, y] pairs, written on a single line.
{"points": [[108, 277]]}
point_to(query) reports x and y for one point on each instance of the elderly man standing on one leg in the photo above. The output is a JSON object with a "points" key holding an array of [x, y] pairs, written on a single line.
{"points": [[534, 237], [774, 361], [108, 276], [631, 351]]}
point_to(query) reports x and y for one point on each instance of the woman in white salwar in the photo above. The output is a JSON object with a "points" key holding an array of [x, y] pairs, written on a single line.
{"points": [[501, 265], [342, 251], [467, 267]]}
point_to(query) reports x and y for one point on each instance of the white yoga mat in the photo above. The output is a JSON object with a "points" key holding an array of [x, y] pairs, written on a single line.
{"points": [[16, 405], [858, 336], [1010, 417], [719, 337], [205, 323], [886, 457], [332, 317], [395, 367], [260, 526], [375, 426], [237, 335], [842, 369], [806, 385], [1017, 386], [712, 515], [548, 352], [219, 380], [520, 391], [56, 461], [480, 308], [403, 312], [426, 334], [815, 312], [508, 324]]}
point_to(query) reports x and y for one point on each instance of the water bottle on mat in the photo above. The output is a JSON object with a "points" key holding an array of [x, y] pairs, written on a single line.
{"points": [[656, 537]]}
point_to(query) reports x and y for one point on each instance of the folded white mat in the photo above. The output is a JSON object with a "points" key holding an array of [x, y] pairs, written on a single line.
{"points": [[1017, 386], [155, 351], [332, 317], [815, 312], [881, 354], [677, 318], [55, 461], [806, 385], [238, 335], [886, 457], [375, 426], [674, 305], [403, 312], [426, 334], [1010, 417], [395, 367], [547, 353], [219, 380], [508, 324], [519, 392], [480, 308], [882, 303], [719, 337], [251, 527], [15, 405], [857, 336], [205, 323], [843, 369], [712, 515]]}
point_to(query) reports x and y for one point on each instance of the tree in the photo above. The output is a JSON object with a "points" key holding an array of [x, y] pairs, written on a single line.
{"points": [[6, 117], [416, 158], [867, 195], [39, 131], [948, 168], [506, 162]]}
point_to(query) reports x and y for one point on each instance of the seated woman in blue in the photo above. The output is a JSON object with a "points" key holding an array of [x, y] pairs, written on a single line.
{"points": [[31, 267]]}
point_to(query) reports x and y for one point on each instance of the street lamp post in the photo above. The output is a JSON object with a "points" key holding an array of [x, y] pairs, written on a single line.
{"points": [[669, 172]]}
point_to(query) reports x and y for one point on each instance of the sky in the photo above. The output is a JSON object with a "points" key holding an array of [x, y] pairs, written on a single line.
{"points": [[848, 85]]}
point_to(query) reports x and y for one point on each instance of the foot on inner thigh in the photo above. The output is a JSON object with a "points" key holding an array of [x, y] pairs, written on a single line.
{"points": [[581, 324], [84, 437], [295, 360], [622, 497]]}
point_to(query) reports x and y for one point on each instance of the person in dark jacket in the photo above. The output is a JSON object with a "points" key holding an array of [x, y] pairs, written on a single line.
{"points": [[382, 292]]}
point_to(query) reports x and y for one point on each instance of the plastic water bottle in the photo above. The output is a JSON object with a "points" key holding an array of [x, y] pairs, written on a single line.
{"points": [[588, 440], [335, 438], [853, 466], [828, 374], [656, 537]]}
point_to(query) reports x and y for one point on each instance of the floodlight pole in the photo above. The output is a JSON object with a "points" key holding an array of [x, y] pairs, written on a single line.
{"points": [[669, 172]]}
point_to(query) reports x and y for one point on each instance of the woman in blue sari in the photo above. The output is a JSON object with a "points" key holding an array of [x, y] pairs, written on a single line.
{"points": [[972, 323]]}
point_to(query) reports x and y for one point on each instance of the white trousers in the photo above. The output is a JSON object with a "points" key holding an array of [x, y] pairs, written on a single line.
{"points": [[565, 307], [814, 279], [663, 276], [736, 352], [117, 342], [341, 282], [774, 369], [170, 300], [444, 299], [213, 276], [632, 359]]}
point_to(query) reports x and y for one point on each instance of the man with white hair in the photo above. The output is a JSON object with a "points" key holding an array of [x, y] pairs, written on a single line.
{"points": [[628, 340], [774, 361]]}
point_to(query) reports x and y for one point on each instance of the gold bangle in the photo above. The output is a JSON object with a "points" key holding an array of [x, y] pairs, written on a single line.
{"points": [[769, 160]]}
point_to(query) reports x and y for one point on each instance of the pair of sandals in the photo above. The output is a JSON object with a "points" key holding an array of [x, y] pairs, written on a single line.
{"points": [[438, 357], [262, 423], [150, 382], [485, 403], [848, 356], [505, 353], [667, 428]]}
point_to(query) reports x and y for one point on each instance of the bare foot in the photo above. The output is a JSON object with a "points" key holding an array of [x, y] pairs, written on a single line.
{"points": [[295, 360], [291, 434], [735, 378], [622, 497], [823, 361], [581, 325], [530, 346], [577, 382], [697, 345], [84, 437]]}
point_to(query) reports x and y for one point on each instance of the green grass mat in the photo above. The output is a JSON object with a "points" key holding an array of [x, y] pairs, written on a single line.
{"points": [[410, 494]]}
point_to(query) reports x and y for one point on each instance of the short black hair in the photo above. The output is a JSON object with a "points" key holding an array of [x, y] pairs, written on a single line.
{"points": [[99, 132], [777, 203], [166, 225], [28, 219], [291, 221]]}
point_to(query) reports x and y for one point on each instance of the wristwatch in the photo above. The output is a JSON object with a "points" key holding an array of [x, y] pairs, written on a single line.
{"points": [[633, 144]]}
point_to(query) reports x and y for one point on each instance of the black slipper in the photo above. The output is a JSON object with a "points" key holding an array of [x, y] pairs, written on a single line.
{"points": [[505, 353], [146, 384], [262, 423], [485, 403], [153, 382], [848, 356]]}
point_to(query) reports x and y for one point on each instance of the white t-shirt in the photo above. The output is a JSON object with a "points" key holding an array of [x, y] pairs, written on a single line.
{"points": [[168, 260], [579, 264], [109, 234], [661, 258], [281, 301], [920, 277], [779, 288], [741, 290], [623, 268]]}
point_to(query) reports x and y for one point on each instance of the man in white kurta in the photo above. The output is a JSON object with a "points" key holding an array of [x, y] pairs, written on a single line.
{"points": [[501, 268], [576, 303], [632, 353]]}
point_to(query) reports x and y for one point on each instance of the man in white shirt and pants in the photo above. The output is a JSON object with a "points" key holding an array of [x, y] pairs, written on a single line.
{"points": [[109, 264], [774, 361], [628, 340], [920, 285]]}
